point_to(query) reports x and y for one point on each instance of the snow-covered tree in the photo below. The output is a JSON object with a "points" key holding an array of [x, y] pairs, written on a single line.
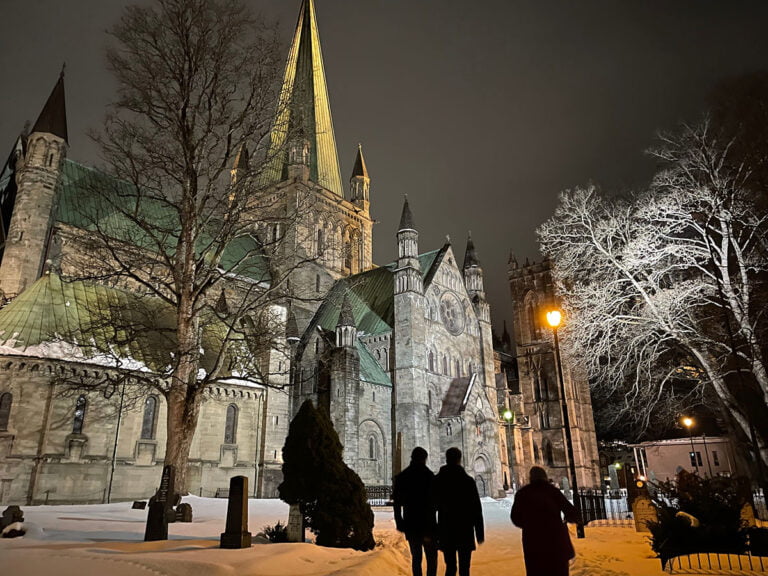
{"points": [[668, 285]]}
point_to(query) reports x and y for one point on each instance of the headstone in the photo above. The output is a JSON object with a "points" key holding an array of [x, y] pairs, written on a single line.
{"points": [[184, 512], [236, 534], [295, 524], [139, 505], [160, 507], [643, 511], [11, 515], [748, 515]]}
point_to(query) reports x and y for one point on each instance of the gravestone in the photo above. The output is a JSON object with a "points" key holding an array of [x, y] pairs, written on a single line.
{"points": [[643, 511], [236, 534], [11, 515], [295, 527], [161, 507], [184, 512]]}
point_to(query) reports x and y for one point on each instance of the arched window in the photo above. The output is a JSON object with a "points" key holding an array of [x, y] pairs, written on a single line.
{"points": [[458, 368], [535, 454], [230, 425], [532, 323], [549, 457], [149, 419], [79, 420], [320, 243], [372, 448], [479, 423], [5, 410], [448, 429], [431, 361], [445, 365]]}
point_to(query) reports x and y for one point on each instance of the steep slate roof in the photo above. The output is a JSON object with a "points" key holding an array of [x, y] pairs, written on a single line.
{"points": [[81, 206], [470, 256], [455, 400], [53, 117], [360, 168], [67, 320], [406, 218], [370, 369], [304, 109], [371, 297]]}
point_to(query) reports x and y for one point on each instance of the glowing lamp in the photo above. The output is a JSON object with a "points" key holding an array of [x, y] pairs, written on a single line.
{"points": [[554, 317]]}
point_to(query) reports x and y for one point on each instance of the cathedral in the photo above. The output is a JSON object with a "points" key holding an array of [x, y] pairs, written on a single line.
{"points": [[400, 355]]}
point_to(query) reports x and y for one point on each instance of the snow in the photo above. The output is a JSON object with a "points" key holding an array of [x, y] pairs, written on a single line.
{"points": [[108, 539]]}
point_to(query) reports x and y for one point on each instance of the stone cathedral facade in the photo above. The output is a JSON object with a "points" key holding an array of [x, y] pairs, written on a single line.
{"points": [[400, 355]]}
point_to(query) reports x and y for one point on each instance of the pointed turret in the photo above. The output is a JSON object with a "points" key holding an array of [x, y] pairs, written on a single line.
{"points": [[304, 109], [222, 307], [470, 256], [291, 328], [408, 273], [406, 218], [53, 117], [346, 328], [360, 182], [38, 181], [473, 280]]}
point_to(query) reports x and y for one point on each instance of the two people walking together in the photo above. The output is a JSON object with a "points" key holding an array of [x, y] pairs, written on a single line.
{"points": [[440, 511], [443, 512]]}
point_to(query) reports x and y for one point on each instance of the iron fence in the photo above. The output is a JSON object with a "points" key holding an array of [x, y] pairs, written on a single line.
{"points": [[379, 495]]}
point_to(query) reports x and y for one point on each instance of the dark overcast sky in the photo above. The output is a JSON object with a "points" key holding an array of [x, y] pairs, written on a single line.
{"points": [[482, 111]]}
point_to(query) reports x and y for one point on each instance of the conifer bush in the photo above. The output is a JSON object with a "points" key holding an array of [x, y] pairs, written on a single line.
{"points": [[330, 495]]}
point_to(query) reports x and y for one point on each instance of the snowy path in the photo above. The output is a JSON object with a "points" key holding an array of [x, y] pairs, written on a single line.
{"points": [[107, 539]]}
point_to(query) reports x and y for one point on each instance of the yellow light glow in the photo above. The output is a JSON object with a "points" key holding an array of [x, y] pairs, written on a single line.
{"points": [[687, 422], [554, 317], [507, 415]]}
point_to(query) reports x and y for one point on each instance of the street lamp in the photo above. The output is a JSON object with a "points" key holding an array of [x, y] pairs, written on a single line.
{"points": [[688, 423], [554, 318]]}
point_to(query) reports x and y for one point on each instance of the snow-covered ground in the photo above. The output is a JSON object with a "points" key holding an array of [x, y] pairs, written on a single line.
{"points": [[108, 539]]}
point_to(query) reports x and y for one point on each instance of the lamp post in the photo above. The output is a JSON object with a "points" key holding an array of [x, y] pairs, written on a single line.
{"points": [[688, 423], [554, 317]]}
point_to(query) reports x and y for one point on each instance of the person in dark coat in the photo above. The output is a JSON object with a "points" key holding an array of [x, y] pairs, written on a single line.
{"points": [[537, 510], [414, 512], [459, 514]]}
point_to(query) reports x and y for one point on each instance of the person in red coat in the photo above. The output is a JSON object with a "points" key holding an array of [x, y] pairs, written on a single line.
{"points": [[459, 514], [537, 510]]}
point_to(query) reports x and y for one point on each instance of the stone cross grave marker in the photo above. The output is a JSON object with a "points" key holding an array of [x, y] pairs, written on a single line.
{"points": [[236, 534], [160, 506]]}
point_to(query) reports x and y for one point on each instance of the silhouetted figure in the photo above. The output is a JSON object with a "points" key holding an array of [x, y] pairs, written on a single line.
{"points": [[459, 514], [414, 512], [537, 510]]}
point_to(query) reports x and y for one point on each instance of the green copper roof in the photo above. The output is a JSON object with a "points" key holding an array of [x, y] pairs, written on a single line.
{"points": [[83, 204], [371, 297], [59, 319], [370, 369], [304, 108]]}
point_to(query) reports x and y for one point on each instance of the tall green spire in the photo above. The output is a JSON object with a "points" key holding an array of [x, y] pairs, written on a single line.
{"points": [[304, 110]]}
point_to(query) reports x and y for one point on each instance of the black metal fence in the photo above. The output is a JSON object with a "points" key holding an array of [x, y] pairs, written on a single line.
{"points": [[605, 507], [379, 495]]}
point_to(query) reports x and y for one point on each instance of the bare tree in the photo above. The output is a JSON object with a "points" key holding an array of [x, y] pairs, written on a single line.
{"points": [[665, 286], [193, 247]]}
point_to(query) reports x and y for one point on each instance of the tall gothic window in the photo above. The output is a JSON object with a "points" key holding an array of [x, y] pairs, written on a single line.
{"points": [[445, 365], [149, 419], [5, 410], [372, 448], [549, 457], [79, 420], [320, 242], [533, 325], [458, 368], [431, 361], [230, 425]]}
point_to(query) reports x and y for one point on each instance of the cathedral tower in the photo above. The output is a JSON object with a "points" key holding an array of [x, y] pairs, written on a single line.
{"points": [[411, 402], [345, 383], [38, 181]]}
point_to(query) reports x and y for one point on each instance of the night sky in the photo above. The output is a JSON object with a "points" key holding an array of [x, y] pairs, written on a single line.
{"points": [[481, 111]]}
